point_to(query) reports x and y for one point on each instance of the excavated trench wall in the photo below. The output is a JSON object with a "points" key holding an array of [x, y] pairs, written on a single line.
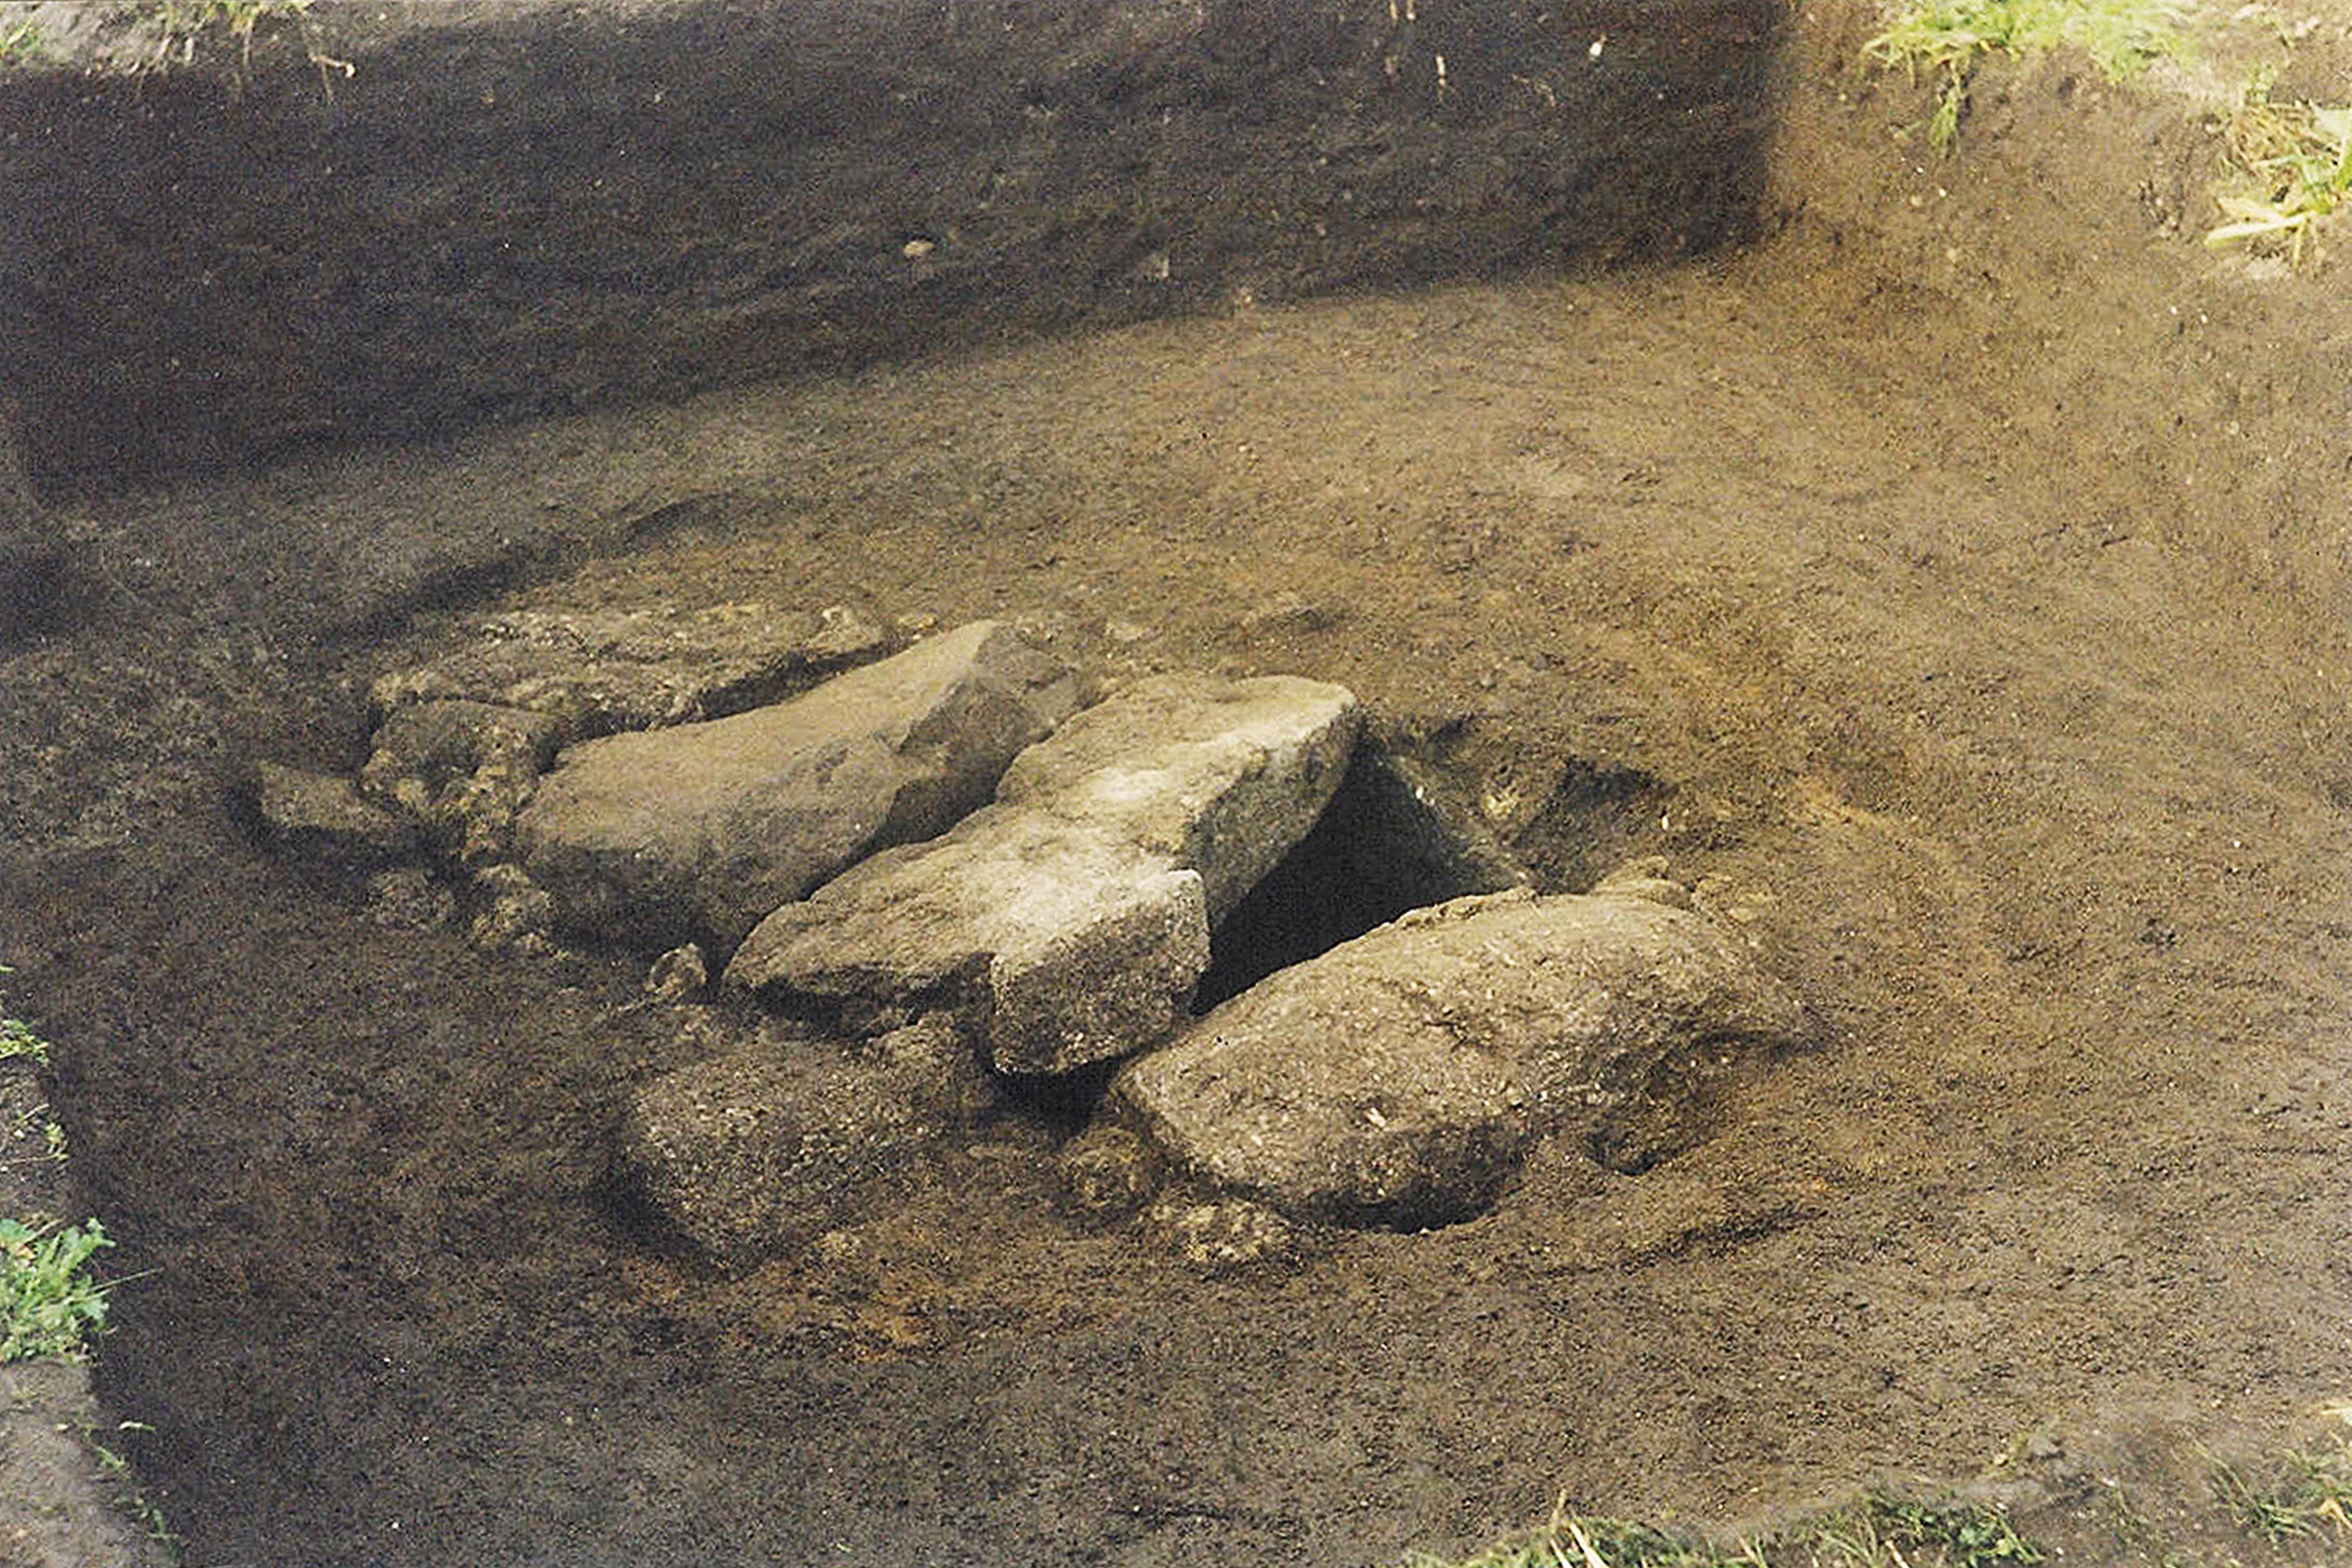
{"points": [[517, 208]]}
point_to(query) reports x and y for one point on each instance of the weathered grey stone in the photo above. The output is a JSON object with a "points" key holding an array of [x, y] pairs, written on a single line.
{"points": [[933, 1057], [702, 829], [1064, 948], [599, 671], [1219, 776], [464, 769], [1398, 1079], [421, 747], [763, 1150], [1333, 1100], [1583, 997], [1070, 921], [324, 815]]}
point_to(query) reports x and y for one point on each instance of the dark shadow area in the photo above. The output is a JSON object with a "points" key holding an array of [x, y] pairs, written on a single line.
{"points": [[40, 593], [1598, 816], [1390, 840], [528, 209]]}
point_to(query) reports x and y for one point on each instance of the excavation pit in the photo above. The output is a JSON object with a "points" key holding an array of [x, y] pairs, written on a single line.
{"points": [[1938, 534]]}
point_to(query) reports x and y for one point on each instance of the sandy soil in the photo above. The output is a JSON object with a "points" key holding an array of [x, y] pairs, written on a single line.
{"points": [[1959, 571]]}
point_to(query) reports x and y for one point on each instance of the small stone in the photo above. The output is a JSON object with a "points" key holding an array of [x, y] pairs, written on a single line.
{"points": [[943, 1062], [768, 1150], [1226, 1235], [1108, 1173], [517, 914], [439, 742], [679, 976], [843, 635], [464, 768]]}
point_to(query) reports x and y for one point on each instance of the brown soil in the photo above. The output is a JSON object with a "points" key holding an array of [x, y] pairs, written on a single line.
{"points": [[1959, 571]]}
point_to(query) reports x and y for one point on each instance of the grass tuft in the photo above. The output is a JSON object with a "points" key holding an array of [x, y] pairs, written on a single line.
{"points": [[48, 1306], [183, 20], [1585, 1541], [2299, 156], [1943, 40], [130, 1496], [20, 43], [2308, 1494], [18, 1039], [1879, 1530]]}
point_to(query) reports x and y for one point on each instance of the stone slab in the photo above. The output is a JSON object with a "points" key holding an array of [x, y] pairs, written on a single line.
{"points": [[1070, 921], [699, 830], [1399, 1079]]}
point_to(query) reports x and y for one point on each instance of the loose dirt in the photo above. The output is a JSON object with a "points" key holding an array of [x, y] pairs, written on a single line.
{"points": [[1959, 573]]}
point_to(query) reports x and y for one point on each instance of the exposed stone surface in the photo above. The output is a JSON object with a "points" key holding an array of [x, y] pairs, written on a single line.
{"points": [[1398, 1079], [324, 815], [763, 1150], [1220, 776], [702, 829], [1583, 997], [1070, 921], [1063, 947], [1327, 1095], [599, 671], [464, 769]]}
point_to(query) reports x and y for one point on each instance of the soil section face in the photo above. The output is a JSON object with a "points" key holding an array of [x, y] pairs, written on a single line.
{"points": [[1958, 573], [450, 213]]}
